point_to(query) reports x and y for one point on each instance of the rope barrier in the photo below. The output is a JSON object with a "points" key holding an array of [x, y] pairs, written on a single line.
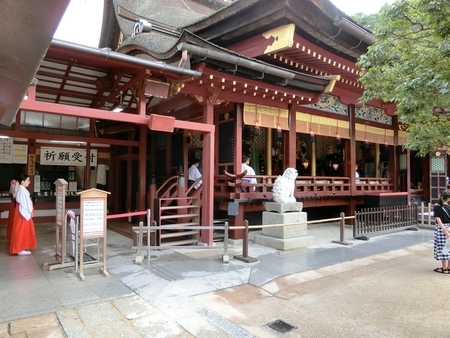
{"points": [[134, 213], [236, 227]]}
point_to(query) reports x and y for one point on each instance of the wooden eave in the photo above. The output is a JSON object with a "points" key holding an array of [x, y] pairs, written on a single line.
{"points": [[315, 22], [231, 81], [218, 87], [307, 57]]}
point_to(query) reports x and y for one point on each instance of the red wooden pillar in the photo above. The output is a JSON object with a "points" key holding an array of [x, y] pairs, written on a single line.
{"points": [[350, 155], [292, 138], [129, 174], [408, 174], [394, 155], [142, 169], [87, 168], [238, 219], [151, 197], [186, 137], [208, 175]]}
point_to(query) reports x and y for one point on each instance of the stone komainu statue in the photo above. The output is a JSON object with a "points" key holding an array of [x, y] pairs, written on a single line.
{"points": [[284, 187]]}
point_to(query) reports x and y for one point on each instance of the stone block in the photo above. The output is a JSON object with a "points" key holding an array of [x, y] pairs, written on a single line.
{"points": [[283, 207], [285, 244], [288, 231]]}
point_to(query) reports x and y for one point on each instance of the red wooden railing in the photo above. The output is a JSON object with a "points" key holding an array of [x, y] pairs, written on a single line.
{"points": [[305, 186]]}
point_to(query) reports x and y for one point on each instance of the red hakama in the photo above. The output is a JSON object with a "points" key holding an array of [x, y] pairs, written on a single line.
{"points": [[11, 213], [23, 235]]}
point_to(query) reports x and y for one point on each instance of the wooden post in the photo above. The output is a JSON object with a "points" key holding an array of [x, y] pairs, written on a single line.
{"points": [[152, 196], [61, 228]]}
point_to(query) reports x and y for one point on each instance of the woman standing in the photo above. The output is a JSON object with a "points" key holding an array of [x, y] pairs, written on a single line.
{"points": [[23, 236], [12, 207], [442, 231]]}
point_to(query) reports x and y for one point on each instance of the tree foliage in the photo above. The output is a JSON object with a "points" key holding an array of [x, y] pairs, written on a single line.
{"points": [[366, 20], [409, 65]]}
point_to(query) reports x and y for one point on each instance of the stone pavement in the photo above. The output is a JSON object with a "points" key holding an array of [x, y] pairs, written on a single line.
{"points": [[383, 287]]}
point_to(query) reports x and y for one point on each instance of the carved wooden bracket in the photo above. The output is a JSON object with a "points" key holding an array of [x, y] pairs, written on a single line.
{"points": [[237, 178]]}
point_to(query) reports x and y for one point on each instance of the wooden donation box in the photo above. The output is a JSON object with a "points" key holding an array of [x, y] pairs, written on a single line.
{"points": [[92, 227], [61, 260]]}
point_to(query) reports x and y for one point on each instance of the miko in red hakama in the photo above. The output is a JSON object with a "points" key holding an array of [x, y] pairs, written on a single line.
{"points": [[23, 235]]}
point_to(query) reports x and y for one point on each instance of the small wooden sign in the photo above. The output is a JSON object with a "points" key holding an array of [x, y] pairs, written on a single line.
{"points": [[93, 204], [31, 164]]}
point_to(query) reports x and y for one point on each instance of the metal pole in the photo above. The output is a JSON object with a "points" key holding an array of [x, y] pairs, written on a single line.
{"points": [[225, 257], [77, 249], [245, 241], [244, 257], [139, 257], [148, 234], [342, 231]]}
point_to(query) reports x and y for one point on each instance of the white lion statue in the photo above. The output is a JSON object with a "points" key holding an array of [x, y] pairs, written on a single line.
{"points": [[284, 187]]}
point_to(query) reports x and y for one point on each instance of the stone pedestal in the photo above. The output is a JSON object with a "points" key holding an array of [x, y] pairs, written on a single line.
{"points": [[292, 236]]}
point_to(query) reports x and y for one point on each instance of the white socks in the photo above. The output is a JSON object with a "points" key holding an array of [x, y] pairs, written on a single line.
{"points": [[24, 253]]}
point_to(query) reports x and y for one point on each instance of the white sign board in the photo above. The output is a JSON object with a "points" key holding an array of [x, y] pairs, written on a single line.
{"points": [[93, 217], [6, 150], [37, 183], [67, 156], [60, 195], [20, 153]]}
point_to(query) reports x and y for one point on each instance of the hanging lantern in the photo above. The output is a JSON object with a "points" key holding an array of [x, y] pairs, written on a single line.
{"points": [[279, 132], [366, 143], [257, 129], [338, 137], [305, 163], [312, 137]]}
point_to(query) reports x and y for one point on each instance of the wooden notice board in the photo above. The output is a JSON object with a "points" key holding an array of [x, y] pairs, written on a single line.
{"points": [[61, 259], [93, 204]]}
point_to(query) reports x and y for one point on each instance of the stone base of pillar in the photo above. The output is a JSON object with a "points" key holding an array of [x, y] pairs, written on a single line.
{"points": [[285, 243], [291, 236]]}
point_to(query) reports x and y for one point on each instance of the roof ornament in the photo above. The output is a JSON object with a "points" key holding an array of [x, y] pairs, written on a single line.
{"points": [[147, 24], [141, 26]]}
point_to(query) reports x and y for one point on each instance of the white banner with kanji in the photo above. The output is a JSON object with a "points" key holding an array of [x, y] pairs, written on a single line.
{"points": [[67, 156]]}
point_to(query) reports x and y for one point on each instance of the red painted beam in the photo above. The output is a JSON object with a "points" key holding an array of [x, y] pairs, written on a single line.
{"points": [[93, 113]]}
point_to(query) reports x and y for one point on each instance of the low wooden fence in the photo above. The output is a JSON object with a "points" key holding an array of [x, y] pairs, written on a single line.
{"points": [[375, 221], [426, 216]]}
